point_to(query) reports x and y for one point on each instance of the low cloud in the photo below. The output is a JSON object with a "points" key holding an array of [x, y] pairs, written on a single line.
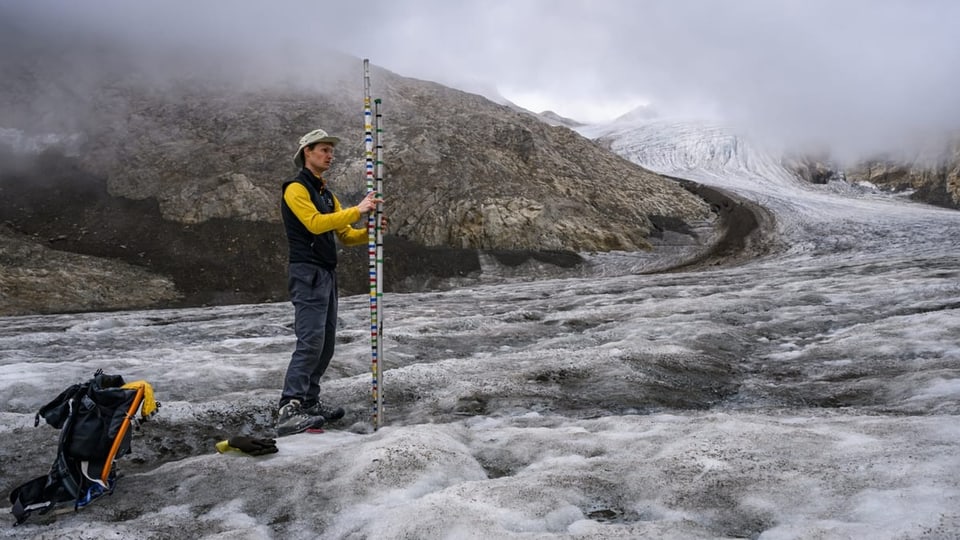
{"points": [[853, 77]]}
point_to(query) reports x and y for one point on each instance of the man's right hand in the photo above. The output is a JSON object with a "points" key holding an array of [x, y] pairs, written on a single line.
{"points": [[369, 203]]}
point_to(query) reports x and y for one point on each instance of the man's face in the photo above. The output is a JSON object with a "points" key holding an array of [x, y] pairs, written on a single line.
{"points": [[319, 157]]}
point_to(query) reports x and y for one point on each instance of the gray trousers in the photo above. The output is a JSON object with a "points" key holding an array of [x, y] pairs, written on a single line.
{"points": [[313, 291]]}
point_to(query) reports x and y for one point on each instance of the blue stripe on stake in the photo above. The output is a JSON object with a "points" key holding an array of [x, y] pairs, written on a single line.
{"points": [[374, 243]]}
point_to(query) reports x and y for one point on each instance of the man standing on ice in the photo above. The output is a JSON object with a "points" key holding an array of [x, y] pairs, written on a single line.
{"points": [[312, 217]]}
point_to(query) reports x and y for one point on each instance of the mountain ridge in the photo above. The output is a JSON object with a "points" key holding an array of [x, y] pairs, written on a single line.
{"points": [[180, 176]]}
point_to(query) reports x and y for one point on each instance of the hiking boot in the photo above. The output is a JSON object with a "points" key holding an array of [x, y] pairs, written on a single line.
{"points": [[329, 414], [293, 419]]}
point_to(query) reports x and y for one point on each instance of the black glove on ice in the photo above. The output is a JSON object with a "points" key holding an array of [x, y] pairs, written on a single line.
{"points": [[250, 445]]}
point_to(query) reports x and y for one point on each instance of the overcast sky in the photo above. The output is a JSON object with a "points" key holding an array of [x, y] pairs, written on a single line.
{"points": [[859, 74]]}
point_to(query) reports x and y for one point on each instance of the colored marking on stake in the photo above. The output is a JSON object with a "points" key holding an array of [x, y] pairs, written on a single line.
{"points": [[374, 177]]}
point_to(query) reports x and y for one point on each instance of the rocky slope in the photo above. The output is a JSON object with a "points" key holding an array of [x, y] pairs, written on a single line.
{"points": [[34, 275], [933, 178], [172, 175]]}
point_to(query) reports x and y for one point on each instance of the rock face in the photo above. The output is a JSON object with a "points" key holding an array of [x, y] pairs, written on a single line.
{"points": [[934, 181], [933, 178], [35, 276], [813, 169], [461, 171], [179, 175], [494, 178]]}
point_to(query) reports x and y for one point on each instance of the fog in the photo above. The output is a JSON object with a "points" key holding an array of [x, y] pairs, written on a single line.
{"points": [[855, 77]]}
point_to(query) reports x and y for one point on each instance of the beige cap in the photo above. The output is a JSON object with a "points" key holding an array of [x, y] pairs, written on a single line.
{"points": [[315, 136]]}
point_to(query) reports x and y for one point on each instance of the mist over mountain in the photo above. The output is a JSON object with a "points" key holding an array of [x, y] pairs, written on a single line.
{"points": [[928, 173], [644, 112], [170, 160], [555, 119], [931, 175], [164, 153]]}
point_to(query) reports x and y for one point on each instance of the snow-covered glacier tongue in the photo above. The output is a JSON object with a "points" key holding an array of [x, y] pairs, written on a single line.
{"points": [[811, 393], [809, 216]]}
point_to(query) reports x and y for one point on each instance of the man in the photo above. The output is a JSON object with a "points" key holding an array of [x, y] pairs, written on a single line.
{"points": [[312, 216]]}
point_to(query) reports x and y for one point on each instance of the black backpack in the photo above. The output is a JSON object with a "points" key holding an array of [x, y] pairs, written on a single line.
{"points": [[94, 420]]}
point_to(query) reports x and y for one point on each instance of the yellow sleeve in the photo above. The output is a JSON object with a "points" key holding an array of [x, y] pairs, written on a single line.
{"points": [[349, 235], [298, 200]]}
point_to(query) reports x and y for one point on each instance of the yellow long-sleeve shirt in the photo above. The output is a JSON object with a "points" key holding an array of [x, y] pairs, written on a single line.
{"points": [[298, 200]]}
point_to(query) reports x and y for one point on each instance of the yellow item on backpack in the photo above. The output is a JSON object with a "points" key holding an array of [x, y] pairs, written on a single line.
{"points": [[150, 405]]}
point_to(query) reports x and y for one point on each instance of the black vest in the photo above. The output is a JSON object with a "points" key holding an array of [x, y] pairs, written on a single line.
{"points": [[306, 247]]}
